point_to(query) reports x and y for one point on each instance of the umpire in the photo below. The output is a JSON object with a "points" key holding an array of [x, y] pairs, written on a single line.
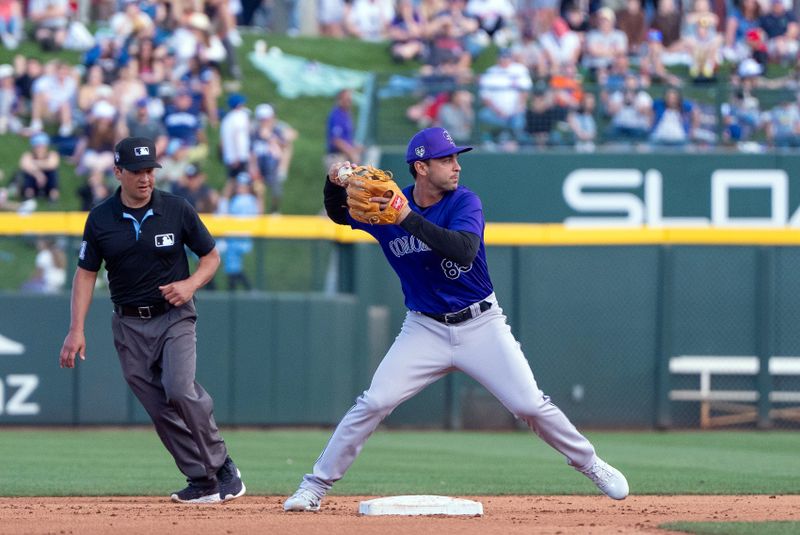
{"points": [[140, 233]]}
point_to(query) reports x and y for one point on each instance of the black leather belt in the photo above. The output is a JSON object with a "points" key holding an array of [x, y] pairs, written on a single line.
{"points": [[144, 313], [465, 314]]}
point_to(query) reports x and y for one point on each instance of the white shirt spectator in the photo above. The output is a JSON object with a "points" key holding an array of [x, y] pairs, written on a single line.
{"points": [[505, 85], [369, 19], [489, 12], [58, 89], [53, 277], [38, 8], [561, 49], [234, 134]]}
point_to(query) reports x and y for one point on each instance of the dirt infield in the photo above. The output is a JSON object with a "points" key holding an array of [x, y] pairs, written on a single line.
{"points": [[263, 514]]}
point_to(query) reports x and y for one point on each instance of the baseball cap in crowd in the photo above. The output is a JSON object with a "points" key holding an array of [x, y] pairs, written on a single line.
{"points": [[749, 68], [135, 153], [432, 142], [37, 140], [235, 100], [192, 170], [264, 111]]}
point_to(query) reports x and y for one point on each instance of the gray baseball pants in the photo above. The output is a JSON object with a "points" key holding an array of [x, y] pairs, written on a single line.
{"points": [[426, 350], [158, 358]]}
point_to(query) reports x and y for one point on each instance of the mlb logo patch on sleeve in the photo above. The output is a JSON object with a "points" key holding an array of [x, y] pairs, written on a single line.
{"points": [[165, 240]]}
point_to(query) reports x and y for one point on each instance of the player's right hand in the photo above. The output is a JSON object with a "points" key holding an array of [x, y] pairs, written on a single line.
{"points": [[74, 343], [333, 173]]}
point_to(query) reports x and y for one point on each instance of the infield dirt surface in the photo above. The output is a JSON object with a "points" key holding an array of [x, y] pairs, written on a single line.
{"points": [[339, 515]]}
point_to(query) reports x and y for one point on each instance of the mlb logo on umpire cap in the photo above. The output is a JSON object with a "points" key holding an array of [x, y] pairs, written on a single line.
{"points": [[432, 143], [135, 153]]}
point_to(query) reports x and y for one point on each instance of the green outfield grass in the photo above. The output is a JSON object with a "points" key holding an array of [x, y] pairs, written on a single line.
{"points": [[132, 462]]}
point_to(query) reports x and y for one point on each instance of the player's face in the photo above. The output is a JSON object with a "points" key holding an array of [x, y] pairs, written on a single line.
{"points": [[443, 173], [137, 186]]}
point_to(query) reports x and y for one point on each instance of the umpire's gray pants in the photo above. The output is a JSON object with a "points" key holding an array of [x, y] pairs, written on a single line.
{"points": [[158, 358]]}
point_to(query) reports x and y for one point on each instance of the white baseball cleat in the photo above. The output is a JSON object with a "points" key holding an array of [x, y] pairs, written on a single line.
{"points": [[608, 479], [302, 500]]}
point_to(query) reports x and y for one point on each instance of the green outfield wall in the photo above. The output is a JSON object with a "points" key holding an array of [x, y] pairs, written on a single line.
{"points": [[597, 323]]}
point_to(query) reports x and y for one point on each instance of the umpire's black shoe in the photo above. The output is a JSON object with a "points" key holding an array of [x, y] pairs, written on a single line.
{"points": [[196, 493], [230, 481]]}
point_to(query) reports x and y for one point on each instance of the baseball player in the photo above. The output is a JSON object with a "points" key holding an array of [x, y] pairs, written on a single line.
{"points": [[454, 321], [140, 233]]}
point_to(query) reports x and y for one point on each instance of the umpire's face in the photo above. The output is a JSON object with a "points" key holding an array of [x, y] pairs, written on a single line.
{"points": [[137, 186]]}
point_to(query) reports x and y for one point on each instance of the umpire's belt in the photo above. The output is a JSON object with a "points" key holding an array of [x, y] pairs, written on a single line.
{"points": [[142, 312], [465, 314]]}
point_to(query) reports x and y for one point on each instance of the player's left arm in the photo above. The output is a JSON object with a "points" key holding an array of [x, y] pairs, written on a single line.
{"points": [[460, 246]]}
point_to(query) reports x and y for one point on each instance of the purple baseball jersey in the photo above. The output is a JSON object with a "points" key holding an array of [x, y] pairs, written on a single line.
{"points": [[431, 283]]}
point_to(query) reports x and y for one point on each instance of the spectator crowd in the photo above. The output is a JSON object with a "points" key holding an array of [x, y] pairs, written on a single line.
{"points": [[567, 73], [640, 60]]}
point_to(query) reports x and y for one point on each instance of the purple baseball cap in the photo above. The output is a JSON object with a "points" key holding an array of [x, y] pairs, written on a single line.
{"points": [[433, 142]]}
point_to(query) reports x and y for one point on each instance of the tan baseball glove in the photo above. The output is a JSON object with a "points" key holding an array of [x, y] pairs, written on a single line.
{"points": [[365, 182]]}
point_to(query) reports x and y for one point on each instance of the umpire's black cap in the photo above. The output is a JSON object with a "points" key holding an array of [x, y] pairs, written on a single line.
{"points": [[135, 153]]}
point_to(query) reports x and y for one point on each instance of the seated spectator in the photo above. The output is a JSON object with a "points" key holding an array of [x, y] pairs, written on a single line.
{"points": [[107, 54], [543, 118], [9, 103], [26, 72], [675, 119], [50, 274], [582, 123], [94, 154], [668, 46], [234, 136], [705, 48], [140, 123], [247, 199], [745, 16], [129, 21], [183, 122], [149, 59], [503, 91], [11, 23], [576, 15], [457, 116], [447, 47], [369, 20], [632, 21], [782, 30], [39, 167], [461, 26], [565, 85], [93, 89], [330, 17], [528, 52], [406, 32], [174, 162], [203, 82], [631, 111], [560, 45], [604, 43], [783, 125], [192, 187], [49, 19], [54, 96], [128, 88], [496, 18], [271, 151]]}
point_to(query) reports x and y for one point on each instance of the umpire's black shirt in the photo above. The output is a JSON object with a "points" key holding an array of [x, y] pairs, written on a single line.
{"points": [[142, 248]]}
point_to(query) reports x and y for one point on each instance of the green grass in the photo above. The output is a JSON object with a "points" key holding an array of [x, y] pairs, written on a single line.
{"points": [[133, 462], [735, 528]]}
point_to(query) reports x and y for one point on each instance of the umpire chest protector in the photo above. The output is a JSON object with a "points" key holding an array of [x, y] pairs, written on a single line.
{"points": [[142, 248]]}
